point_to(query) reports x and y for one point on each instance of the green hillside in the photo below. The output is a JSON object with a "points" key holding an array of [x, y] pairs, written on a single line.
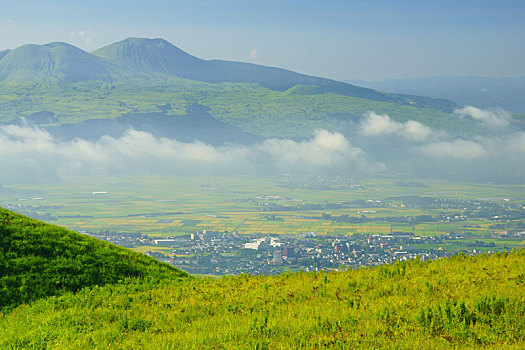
{"points": [[461, 302], [38, 260], [249, 106]]}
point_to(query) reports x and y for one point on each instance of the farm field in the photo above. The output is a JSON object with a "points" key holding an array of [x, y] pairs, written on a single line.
{"points": [[167, 206]]}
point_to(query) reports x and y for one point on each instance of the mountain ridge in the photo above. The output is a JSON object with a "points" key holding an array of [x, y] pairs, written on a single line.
{"points": [[60, 62], [57, 83], [56, 61], [160, 56]]}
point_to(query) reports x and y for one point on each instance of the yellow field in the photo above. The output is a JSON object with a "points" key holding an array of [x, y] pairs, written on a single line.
{"points": [[136, 204]]}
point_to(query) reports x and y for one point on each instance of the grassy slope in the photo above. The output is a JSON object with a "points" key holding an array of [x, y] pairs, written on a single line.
{"points": [[246, 105], [38, 260], [461, 302]]}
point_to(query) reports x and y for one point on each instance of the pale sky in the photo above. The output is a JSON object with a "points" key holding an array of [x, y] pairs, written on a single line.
{"points": [[363, 39]]}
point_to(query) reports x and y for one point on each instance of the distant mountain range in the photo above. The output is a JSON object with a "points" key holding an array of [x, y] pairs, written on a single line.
{"points": [[151, 85], [483, 92], [159, 56], [61, 62]]}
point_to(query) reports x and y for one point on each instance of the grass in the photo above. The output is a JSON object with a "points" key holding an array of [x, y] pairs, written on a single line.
{"points": [[461, 302], [38, 260]]}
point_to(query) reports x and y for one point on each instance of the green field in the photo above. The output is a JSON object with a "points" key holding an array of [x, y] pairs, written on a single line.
{"points": [[167, 206]]}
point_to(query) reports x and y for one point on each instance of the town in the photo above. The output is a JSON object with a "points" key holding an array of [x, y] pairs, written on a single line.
{"points": [[223, 253], [217, 251]]}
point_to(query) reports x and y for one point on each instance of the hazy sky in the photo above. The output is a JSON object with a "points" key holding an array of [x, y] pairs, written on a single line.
{"points": [[364, 39]]}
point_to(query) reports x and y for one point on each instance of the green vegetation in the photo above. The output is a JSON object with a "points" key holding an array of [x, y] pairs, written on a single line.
{"points": [[461, 302], [249, 106], [236, 203], [38, 260], [80, 295], [153, 76], [63, 290]]}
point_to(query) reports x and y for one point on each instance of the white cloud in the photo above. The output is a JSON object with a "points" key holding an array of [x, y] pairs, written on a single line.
{"points": [[324, 150], [381, 124], [85, 35], [496, 117], [509, 145], [23, 147], [457, 149]]}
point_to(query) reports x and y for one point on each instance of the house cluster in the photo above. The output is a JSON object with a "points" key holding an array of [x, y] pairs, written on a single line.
{"points": [[219, 253]]}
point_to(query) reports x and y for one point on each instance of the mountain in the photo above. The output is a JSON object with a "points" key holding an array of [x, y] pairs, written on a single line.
{"points": [[52, 62], [154, 56], [38, 260], [196, 124], [160, 56], [65, 63], [482, 92], [3, 53], [136, 79]]}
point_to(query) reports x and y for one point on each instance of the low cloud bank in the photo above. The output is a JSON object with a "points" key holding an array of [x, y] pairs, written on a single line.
{"points": [[412, 148], [457, 149], [495, 118], [375, 144], [27, 152], [324, 150], [380, 124]]}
